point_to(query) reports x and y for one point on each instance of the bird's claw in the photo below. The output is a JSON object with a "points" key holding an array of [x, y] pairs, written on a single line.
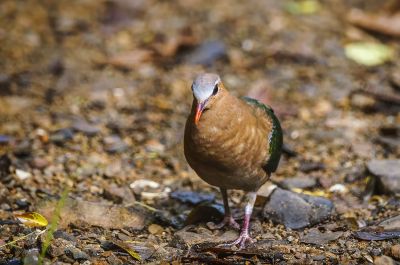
{"points": [[227, 221], [242, 241]]}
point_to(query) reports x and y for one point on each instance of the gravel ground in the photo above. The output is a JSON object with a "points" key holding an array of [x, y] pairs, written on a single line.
{"points": [[93, 101]]}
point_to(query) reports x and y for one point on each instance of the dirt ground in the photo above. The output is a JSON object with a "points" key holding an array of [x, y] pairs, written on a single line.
{"points": [[94, 96]]}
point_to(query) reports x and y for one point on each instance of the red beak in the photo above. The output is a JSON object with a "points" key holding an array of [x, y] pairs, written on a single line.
{"points": [[199, 111]]}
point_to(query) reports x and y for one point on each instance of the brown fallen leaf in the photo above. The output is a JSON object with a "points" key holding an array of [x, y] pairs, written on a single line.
{"points": [[387, 24], [127, 248], [131, 59]]}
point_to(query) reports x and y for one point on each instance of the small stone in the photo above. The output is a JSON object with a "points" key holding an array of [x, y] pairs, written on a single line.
{"points": [[64, 235], [192, 197], [296, 210], [5, 163], [23, 149], [155, 229], [31, 256], [154, 146], [112, 259], [39, 163], [319, 257], [207, 53], [302, 182], [22, 175], [118, 194], [57, 247], [61, 136], [4, 139], [384, 260], [392, 223], [308, 166], [205, 212], [85, 127], [314, 236], [114, 144], [76, 253], [395, 251], [387, 173], [376, 252]]}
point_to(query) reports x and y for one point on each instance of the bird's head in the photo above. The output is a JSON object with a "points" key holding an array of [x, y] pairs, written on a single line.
{"points": [[206, 89]]}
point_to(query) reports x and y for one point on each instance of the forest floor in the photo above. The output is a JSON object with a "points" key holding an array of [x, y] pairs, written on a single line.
{"points": [[94, 96]]}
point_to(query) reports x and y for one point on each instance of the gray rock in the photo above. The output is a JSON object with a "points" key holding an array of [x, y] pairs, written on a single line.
{"points": [[85, 127], [387, 173], [207, 53], [118, 194], [31, 256], [295, 210], [301, 182], [314, 236], [76, 253], [114, 144]]}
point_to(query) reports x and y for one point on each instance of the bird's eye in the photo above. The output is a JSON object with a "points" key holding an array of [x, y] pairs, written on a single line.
{"points": [[215, 91]]}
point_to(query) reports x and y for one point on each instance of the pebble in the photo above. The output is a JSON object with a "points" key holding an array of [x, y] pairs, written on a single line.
{"points": [[61, 136], [76, 253], [118, 194], [31, 256], [376, 252], [295, 210], [395, 251], [4, 139], [388, 174], [192, 197], [22, 175], [314, 236], [85, 127], [207, 53], [392, 223], [301, 182], [155, 229], [205, 212], [384, 260], [114, 144]]}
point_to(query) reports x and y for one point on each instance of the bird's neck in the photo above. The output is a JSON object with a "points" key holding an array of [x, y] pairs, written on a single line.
{"points": [[225, 113]]}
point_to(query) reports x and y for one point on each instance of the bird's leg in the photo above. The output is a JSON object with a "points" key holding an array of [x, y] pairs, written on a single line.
{"points": [[244, 236], [228, 219]]}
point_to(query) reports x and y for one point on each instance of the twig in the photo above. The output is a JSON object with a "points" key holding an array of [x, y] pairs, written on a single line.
{"points": [[391, 99], [38, 232]]}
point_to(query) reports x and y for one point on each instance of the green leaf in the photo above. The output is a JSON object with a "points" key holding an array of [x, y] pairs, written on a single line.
{"points": [[32, 219], [369, 53], [303, 7], [127, 248]]}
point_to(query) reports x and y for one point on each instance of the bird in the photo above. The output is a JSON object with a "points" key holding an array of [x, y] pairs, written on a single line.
{"points": [[231, 143]]}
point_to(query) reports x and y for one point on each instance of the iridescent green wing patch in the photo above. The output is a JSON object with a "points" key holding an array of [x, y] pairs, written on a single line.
{"points": [[275, 137]]}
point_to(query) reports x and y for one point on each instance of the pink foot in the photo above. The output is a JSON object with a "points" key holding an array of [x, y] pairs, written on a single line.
{"points": [[242, 241], [227, 221]]}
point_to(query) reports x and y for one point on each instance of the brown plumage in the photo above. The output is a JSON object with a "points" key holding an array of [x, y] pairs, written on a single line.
{"points": [[229, 146], [231, 143]]}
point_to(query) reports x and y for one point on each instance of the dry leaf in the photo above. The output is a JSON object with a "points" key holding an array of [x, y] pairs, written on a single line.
{"points": [[304, 7], [383, 23], [32, 219], [127, 249], [369, 53]]}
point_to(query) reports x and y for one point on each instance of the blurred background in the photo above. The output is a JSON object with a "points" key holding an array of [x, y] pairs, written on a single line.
{"points": [[94, 96]]}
